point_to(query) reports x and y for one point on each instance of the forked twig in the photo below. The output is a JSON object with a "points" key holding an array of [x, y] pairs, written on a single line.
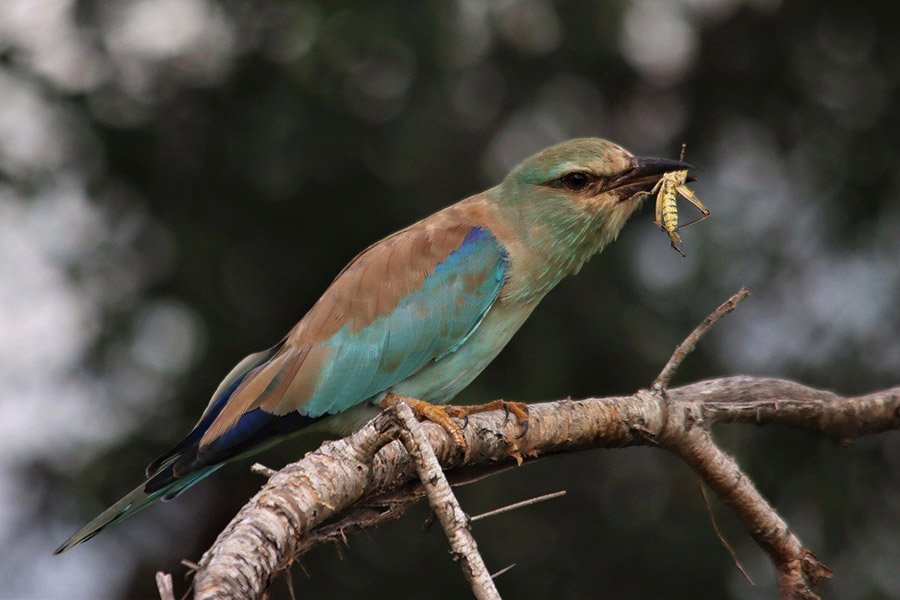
{"points": [[690, 342], [444, 504]]}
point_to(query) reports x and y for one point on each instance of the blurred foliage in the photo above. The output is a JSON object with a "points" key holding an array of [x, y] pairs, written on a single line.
{"points": [[180, 179]]}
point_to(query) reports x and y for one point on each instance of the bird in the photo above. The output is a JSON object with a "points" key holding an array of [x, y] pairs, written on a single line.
{"points": [[416, 316]]}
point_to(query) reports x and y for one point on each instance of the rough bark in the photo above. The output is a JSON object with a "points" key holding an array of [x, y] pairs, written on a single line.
{"points": [[445, 505], [278, 523]]}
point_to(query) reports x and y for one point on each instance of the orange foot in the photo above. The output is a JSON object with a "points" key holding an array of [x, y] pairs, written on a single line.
{"points": [[440, 415], [518, 409]]}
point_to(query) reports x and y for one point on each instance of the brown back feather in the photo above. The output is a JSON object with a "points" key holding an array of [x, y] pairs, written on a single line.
{"points": [[369, 287]]}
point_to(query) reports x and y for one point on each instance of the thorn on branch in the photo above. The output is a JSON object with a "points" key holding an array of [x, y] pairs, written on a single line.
{"points": [[300, 564], [728, 547], [191, 566], [260, 469], [502, 571], [289, 578], [516, 505]]}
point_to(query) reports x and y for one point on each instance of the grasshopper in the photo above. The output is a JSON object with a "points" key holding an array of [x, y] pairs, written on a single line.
{"points": [[667, 190]]}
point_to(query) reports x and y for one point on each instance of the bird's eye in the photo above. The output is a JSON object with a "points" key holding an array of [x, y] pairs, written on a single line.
{"points": [[576, 181]]}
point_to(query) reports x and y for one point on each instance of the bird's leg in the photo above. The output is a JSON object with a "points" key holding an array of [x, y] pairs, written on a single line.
{"points": [[440, 415], [518, 409]]}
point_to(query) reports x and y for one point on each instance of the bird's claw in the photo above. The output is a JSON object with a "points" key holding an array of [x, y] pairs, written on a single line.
{"points": [[444, 415], [440, 415], [518, 409]]}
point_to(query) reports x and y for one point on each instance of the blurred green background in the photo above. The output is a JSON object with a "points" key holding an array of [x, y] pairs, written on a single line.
{"points": [[181, 179]]}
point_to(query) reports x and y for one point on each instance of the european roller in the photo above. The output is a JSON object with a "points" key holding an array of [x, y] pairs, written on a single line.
{"points": [[417, 315]]}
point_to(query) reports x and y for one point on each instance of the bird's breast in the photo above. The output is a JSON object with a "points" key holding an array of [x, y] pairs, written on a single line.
{"points": [[440, 381]]}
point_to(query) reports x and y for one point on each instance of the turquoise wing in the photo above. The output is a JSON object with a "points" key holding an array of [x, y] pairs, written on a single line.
{"points": [[380, 322], [426, 325]]}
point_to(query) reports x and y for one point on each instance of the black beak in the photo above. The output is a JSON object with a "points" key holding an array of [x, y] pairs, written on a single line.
{"points": [[644, 166], [644, 172]]}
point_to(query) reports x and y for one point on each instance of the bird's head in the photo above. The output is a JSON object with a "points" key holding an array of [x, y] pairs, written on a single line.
{"points": [[573, 198], [590, 175]]}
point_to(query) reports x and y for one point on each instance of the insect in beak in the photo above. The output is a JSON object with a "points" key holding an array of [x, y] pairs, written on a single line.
{"points": [[671, 185]]}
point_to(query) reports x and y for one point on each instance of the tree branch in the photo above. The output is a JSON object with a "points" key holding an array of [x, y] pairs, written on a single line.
{"points": [[690, 342], [444, 504], [368, 478], [274, 527], [164, 586]]}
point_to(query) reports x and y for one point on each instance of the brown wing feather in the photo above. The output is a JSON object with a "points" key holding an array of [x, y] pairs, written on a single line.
{"points": [[369, 287]]}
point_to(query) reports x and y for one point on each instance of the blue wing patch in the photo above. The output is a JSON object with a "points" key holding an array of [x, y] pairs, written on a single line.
{"points": [[426, 325]]}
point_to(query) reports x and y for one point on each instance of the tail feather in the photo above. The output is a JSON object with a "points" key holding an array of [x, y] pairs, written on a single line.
{"points": [[187, 463], [136, 500]]}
